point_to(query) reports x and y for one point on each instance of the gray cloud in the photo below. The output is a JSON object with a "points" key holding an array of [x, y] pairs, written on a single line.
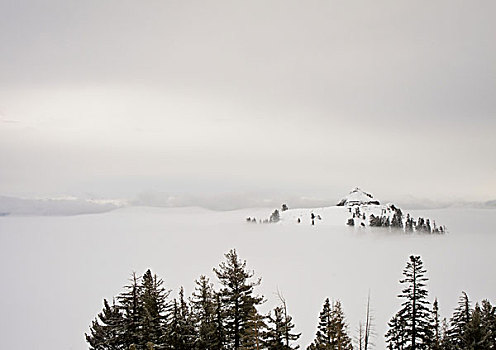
{"points": [[316, 97]]}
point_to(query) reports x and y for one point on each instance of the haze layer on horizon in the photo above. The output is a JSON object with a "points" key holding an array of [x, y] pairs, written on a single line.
{"points": [[119, 97]]}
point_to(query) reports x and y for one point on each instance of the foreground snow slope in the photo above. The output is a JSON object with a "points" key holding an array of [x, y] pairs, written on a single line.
{"points": [[57, 270]]}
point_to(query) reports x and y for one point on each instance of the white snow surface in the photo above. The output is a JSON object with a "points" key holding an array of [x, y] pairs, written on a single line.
{"points": [[57, 270]]}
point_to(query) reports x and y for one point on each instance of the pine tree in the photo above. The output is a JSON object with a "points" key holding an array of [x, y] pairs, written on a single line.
{"points": [[203, 313], [220, 333], [459, 321], [181, 329], [408, 224], [237, 297], [324, 328], [488, 318], [137, 320], [105, 330], [278, 335], [332, 329], [444, 337], [414, 316], [274, 335], [342, 340], [275, 217], [131, 308], [153, 310], [420, 225], [397, 220], [396, 336], [476, 336], [375, 221], [251, 338], [436, 327]]}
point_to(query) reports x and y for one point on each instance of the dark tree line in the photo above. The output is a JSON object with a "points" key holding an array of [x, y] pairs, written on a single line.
{"points": [[407, 224], [392, 217], [144, 317]]}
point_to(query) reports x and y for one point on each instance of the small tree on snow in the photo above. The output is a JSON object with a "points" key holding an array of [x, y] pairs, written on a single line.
{"points": [[274, 217]]}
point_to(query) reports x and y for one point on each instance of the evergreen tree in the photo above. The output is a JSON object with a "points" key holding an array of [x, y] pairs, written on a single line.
{"points": [[274, 217], [153, 310], [397, 220], [414, 316], [251, 338], [278, 335], [105, 331], [459, 322], [396, 336], [137, 320], [408, 223], [220, 334], [436, 327], [342, 340], [444, 338], [181, 330], [274, 335], [237, 297], [324, 329], [332, 329], [476, 336], [131, 308], [420, 225], [385, 221], [375, 221], [203, 313], [488, 319]]}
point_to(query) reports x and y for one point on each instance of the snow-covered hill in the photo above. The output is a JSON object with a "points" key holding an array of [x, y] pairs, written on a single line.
{"points": [[360, 209]]}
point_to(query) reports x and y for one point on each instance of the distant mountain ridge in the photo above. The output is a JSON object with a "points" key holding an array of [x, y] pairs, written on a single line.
{"points": [[71, 205], [55, 206]]}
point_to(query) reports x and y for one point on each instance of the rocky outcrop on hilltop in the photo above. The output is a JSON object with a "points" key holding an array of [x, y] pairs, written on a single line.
{"points": [[358, 197]]}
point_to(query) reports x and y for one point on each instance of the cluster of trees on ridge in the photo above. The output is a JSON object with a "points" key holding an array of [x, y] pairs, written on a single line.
{"points": [[397, 220], [143, 318]]}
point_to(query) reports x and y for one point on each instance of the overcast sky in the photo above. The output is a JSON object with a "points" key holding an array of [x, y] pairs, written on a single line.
{"points": [[118, 97]]}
